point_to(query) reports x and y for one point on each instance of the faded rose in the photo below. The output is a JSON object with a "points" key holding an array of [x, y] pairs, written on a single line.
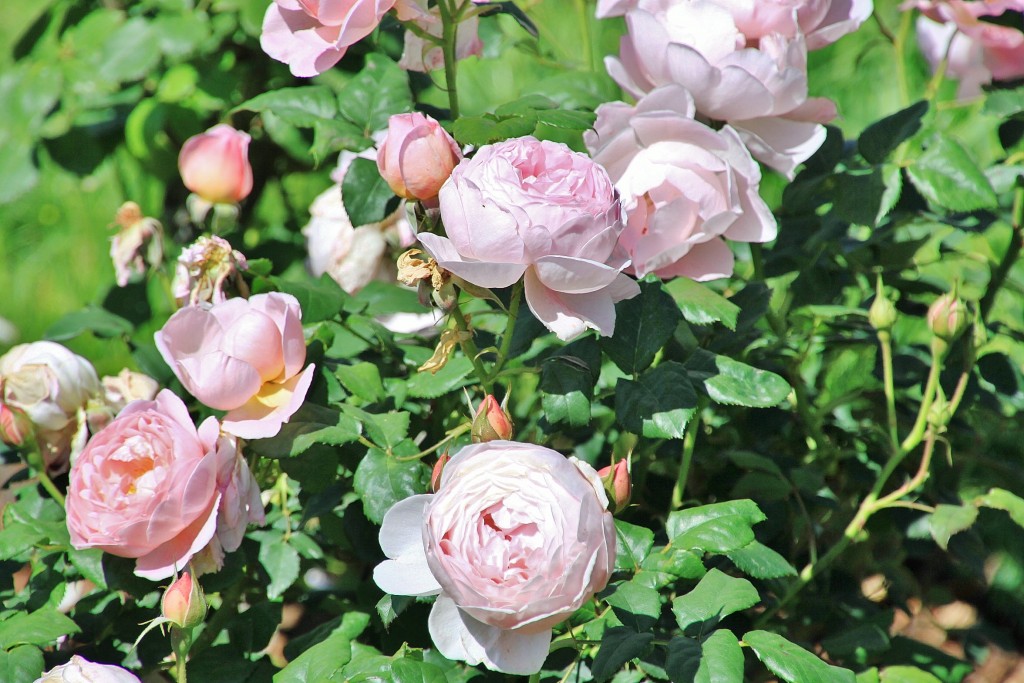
{"points": [[150, 486], [208, 268], [421, 55], [685, 187], [81, 670], [311, 36], [244, 356], [517, 538], [525, 207]]}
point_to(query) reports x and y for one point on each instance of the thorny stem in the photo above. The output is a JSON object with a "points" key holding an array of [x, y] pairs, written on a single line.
{"points": [[450, 15], [1009, 258], [506, 337], [470, 349], [451, 434], [917, 433], [689, 442]]}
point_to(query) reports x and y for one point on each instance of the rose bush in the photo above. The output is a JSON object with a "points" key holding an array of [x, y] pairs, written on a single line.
{"points": [[152, 487], [535, 209], [244, 356], [516, 539]]}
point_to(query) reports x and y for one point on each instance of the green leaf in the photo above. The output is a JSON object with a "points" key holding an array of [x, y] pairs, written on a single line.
{"points": [[319, 299], [89, 563], [633, 545], [475, 130], [385, 429], [525, 105], [635, 605], [715, 597], [682, 521], [16, 539], [363, 380], [1001, 499], [312, 424], [657, 405], [42, 627], [408, 670], [381, 481], [683, 563], [717, 659], [390, 606], [333, 135], [303, 106], [378, 91], [792, 663], [760, 561], [432, 385], [701, 305], [906, 674], [865, 196], [567, 382], [282, 564], [881, 138], [322, 662], [365, 193], [93, 319], [642, 326], [740, 384], [618, 646], [948, 520], [947, 177], [23, 664], [1004, 103], [718, 535]]}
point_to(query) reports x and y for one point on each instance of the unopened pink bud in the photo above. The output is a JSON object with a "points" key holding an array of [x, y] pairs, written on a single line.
{"points": [[184, 604], [435, 475], [14, 425], [417, 156], [617, 483], [491, 423], [948, 317], [215, 165]]}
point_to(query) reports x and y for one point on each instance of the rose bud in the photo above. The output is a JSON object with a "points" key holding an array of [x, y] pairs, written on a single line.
{"points": [[184, 604], [491, 423], [417, 156], [882, 314], [215, 165], [618, 484], [14, 426], [948, 317], [435, 474]]}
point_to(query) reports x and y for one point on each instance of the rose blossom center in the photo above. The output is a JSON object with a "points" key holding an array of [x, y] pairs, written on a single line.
{"points": [[507, 545]]}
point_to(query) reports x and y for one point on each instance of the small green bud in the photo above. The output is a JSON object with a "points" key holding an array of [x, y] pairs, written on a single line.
{"points": [[882, 314]]}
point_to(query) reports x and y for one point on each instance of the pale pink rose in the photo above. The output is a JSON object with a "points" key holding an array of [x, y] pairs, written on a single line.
{"points": [[50, 387], [976, 51], [516, 539], [206, 269], [416, 156], [215, 165], [420, 55], [311, 36], [685, 187], [138, 243], [536, 209], [81, 670], [761, 93], [244, 356], [150, 486]]}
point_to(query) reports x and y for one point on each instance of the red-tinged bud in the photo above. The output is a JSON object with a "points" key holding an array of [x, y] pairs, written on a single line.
{"points": [[435, 475], [14, 425], [617, 484], [491, 422], [948, 317], [184, 604]]}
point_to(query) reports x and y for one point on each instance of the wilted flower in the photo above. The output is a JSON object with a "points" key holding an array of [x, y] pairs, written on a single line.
{"points": [[138, 243], [206, 269]]}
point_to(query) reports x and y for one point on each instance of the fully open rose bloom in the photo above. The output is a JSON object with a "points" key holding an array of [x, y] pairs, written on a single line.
{"points": [[215, 165], [244, 356], [81, 670], [150, 486], [311, 36], [685, 187], [976, 51], [761, 93], [516, 539], [536, 208]]}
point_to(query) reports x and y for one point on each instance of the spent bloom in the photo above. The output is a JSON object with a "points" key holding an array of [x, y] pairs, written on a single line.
{"points": [[244, 356], [138, 243], [215, 165], [516, 539], [208, 268], [416, 156], [311, 36], [685, 187], [421, 55], [81, 670], [153, 487], [525, 208]]}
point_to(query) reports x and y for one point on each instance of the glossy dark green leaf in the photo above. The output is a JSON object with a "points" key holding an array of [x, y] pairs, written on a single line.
{"points": [[881, 138], [282, 564], [701, 305], [618, 646], [380, 90], [760, 561], [42, 627], [382, 480], [947, 177], [658, 404], [792, 663], [642, 326], [715, 597], [366, 194], [948, 520]]}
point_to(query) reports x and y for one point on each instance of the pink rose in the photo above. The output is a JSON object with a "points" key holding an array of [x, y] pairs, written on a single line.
{"points": [[761, 93], [81, 670], [150, 486], [537, 209], [416, 156], [311, 36], [421, 55], [215, 165], [685, 187], [244, 356], [977, 51], [517, 538]]}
